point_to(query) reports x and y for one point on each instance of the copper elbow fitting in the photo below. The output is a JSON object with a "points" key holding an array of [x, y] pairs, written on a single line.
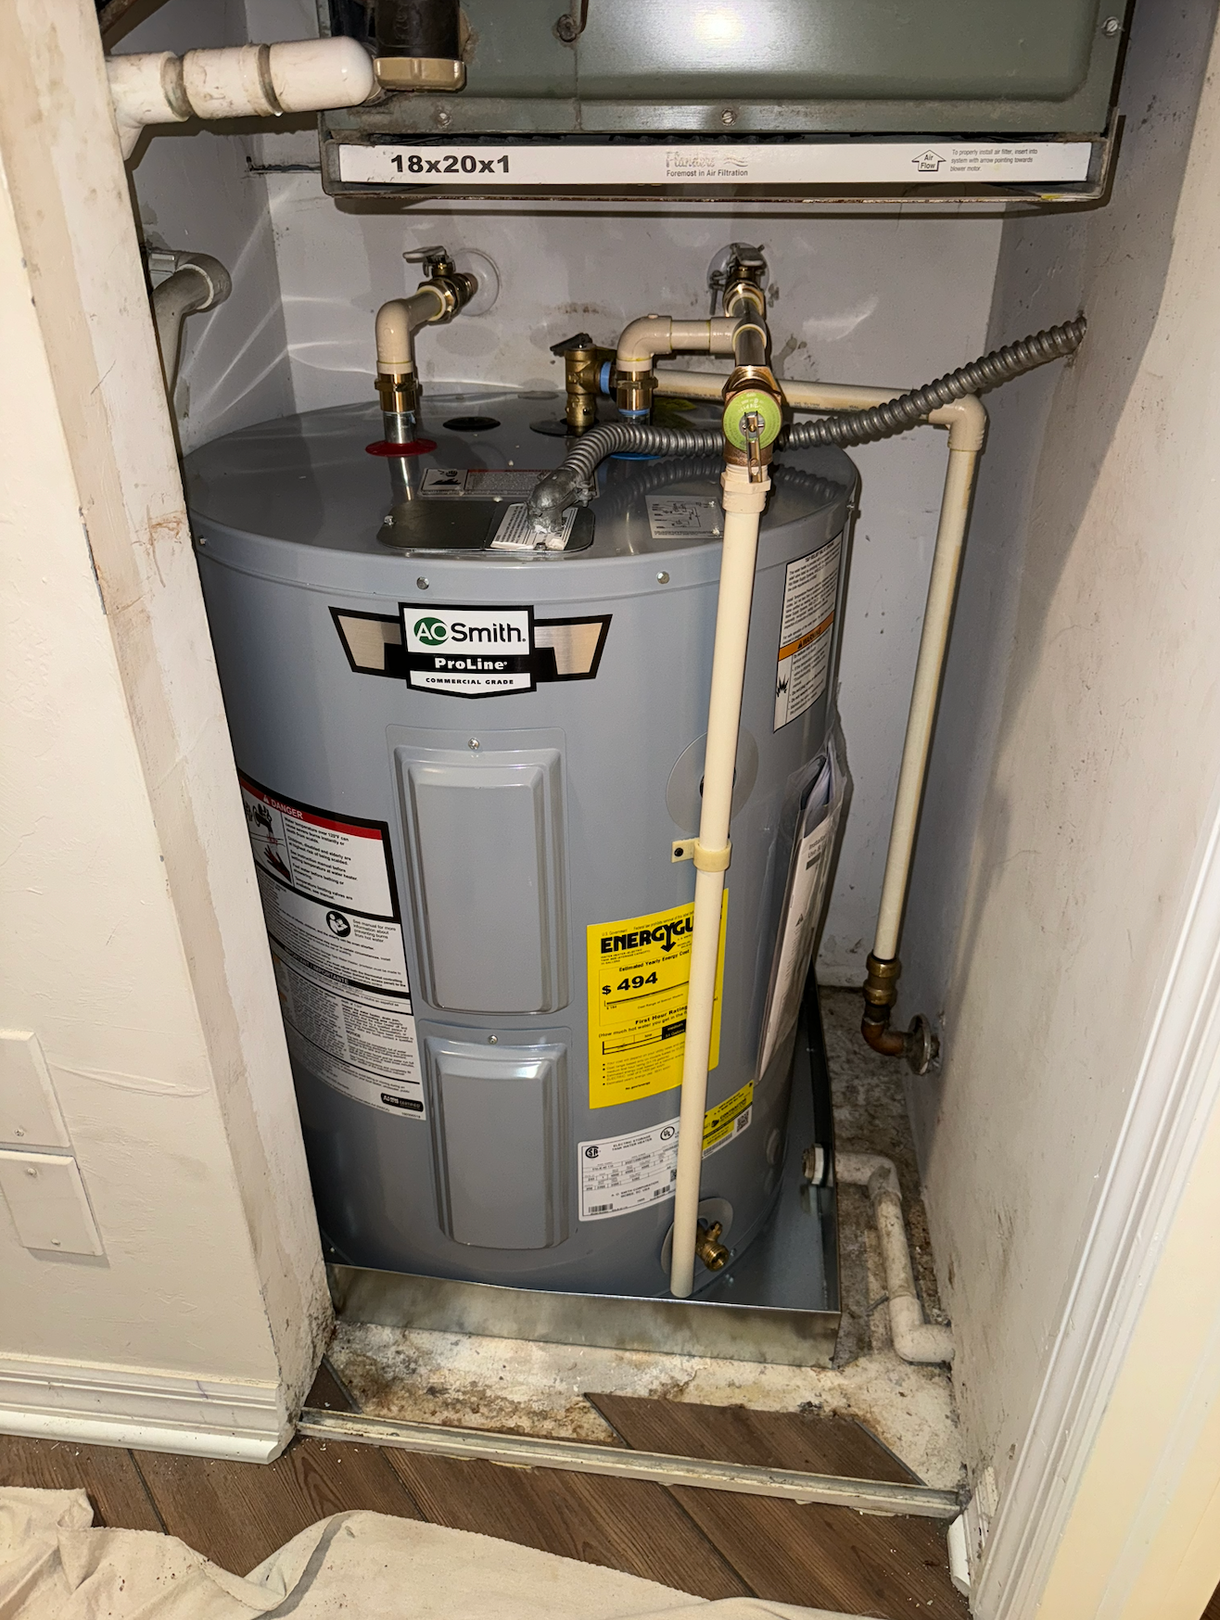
{"points": [[918, 1044]]}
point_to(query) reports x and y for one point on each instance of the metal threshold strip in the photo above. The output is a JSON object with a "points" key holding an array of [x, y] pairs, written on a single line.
{"points": [[525, 1451]]}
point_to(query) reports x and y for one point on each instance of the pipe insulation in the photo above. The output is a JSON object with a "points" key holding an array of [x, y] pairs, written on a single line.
{"points": [[238, 81], [914, 1339]]}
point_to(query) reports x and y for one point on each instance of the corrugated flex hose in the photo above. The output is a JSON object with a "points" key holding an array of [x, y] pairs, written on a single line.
{"points": [[897, 415], [573, 480]]}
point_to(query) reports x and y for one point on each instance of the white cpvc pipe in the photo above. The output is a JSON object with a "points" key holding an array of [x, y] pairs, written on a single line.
{"points": [[914, 1339], [238, 81], [397, 323], [743, 503], [966, 420]]}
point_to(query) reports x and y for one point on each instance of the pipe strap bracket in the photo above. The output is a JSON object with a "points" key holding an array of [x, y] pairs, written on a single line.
{"points": [[711, 860]]}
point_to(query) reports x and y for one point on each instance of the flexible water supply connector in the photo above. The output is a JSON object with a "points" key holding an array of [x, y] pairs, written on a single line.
{"points": [[238, 81], [914, 1338]]}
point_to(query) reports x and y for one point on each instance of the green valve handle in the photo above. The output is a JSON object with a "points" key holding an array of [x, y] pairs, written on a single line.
{"points": [[762, 405]]}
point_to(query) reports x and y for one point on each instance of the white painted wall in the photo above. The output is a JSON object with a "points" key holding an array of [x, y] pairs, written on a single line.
{"points": [[133, 944], [1077, 752]]}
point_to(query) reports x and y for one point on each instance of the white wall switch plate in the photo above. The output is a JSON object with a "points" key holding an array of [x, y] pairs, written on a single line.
{"points": [[46, 1198], [29, 1111]]}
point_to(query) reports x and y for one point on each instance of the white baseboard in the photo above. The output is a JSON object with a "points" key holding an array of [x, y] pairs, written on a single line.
{"points": [[141, 1408]]}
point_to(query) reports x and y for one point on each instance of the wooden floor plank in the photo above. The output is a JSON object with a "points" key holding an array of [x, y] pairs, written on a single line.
{"points": [[1212, 1611], [819, 1445], [621, 1524], [237, 1514], [109, 1474], [823, 1557]]}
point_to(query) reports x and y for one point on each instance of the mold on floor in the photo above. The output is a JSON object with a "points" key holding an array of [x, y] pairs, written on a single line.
{"points": [[530, 1388]]}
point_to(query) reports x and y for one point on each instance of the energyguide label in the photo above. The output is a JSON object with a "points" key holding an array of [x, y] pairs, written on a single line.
{"points": [[639, 976], [327, 885]]}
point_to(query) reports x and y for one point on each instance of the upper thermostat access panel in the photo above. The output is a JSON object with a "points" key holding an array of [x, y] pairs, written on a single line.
{"points": [[703, 99]]}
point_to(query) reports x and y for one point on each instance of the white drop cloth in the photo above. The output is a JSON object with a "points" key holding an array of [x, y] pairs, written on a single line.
{"points": [[355, 1566]]}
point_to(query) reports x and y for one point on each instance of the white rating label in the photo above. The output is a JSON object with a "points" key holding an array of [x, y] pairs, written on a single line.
{"points": [[619, 1174]]}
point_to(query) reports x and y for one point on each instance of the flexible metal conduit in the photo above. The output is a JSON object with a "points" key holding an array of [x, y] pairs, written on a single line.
{"points": [[572, 480]]}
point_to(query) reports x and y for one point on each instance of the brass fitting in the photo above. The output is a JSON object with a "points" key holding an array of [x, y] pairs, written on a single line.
{"points": [[881, 986], [744, 292], [918, 1044], [634, 390], [582, 364], [742, 378], [398, 392], [456, 287], [709, 1248]]}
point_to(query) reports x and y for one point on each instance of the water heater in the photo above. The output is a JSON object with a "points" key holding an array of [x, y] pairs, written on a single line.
{"points": [[472, 774]]}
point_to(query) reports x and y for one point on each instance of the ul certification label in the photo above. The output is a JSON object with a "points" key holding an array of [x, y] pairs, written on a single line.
{"points": [[468, 651], [639, 974], [803, 663], [619, 1174]]}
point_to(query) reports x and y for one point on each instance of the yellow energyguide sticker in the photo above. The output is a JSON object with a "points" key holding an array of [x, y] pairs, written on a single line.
{"points": [[639, 973], [724, 1119]]}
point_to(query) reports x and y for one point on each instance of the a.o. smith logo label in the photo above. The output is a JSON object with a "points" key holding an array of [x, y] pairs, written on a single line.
{"points": [[468, 651]]}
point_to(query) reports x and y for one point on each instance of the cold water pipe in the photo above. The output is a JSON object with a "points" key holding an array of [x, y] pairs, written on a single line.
{"points": [[434, 302], [397, 379], [914, 1338], [801, 396], [237, 81], [743, 501]]}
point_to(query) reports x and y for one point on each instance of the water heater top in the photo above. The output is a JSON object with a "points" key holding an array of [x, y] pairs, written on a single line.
{"points": [[311, 480]]}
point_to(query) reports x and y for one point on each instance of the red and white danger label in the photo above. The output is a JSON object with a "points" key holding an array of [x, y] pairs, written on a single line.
{"points": [[318, 854]]}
